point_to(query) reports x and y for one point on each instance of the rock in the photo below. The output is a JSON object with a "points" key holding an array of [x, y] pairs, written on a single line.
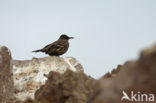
{"points": [[137, 76], [62, 80], [29, 75], [6, 76], [70, 87]]}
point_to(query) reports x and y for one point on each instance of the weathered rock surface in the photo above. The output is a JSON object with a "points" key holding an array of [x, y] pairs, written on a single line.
{"points": [[29, 75], [6, 76], [137, 76], [70, 87], [62, 80]]}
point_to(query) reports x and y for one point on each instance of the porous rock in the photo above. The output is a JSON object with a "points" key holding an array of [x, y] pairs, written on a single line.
{"points": [[70, 87]]}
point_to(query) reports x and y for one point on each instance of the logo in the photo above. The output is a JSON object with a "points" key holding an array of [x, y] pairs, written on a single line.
{"points": [[137, 97]]}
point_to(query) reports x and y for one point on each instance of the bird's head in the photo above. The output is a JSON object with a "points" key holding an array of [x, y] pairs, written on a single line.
{"points": [[63, 36]]}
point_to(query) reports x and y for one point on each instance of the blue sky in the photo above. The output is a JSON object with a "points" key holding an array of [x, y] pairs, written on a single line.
{"points": [[107, 32]]}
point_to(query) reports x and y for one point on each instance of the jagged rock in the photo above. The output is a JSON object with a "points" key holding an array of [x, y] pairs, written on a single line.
{"points": [[6, 76], [29, 75], [113, 73], [70, 87], [137, 76], [66, 82]]}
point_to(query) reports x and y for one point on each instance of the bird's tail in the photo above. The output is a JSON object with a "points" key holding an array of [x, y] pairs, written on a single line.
{"points": [[37, 50]]}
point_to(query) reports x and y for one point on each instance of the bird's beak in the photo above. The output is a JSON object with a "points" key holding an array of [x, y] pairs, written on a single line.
{"points": [[71, 37]]}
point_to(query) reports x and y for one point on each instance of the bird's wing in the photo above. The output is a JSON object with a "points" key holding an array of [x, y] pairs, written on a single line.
{"points": [[47, 47], [54, 47]]}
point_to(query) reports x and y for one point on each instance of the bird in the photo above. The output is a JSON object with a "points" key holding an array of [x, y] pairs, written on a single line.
{"points": [[58, 47]]}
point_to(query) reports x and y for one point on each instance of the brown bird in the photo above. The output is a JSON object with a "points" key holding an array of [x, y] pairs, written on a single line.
{"points": [[58, 47]]}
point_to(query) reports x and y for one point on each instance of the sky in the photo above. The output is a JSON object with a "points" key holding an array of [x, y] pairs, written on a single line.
{"points": [[107, 32]]}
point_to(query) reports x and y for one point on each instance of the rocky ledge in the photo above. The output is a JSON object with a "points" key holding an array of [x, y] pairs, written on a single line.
{"points": [[30, 75], [62, 80]]}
